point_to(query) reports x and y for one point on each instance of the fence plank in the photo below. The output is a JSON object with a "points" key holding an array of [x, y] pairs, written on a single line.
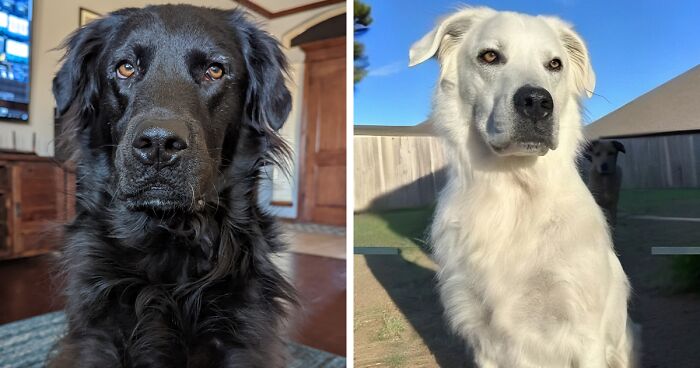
{"points": [[663, 162], [395, 171]]}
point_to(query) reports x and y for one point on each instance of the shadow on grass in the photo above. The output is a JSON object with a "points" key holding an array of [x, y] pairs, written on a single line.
{"points": [[412, 289]]}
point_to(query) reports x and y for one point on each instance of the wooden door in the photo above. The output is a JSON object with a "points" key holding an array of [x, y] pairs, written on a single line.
{"points": [[323, 187]]}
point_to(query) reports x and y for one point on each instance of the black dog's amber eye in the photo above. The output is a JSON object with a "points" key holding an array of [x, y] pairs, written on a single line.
{"points": [[125, 70], [554, 65], [489, 57], [214, 72]]}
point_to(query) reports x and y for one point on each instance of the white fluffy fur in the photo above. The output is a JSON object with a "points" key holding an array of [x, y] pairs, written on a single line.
{"points": [[528, 274]]}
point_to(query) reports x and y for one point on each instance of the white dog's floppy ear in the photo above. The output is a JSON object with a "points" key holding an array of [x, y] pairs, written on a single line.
{"points": [[580, 61], [444, 35]]}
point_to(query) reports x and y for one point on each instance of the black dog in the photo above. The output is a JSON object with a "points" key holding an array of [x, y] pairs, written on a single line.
{"points": [[174, 110]]}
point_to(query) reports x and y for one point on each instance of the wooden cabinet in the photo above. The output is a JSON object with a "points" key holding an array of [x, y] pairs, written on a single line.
{"points": [[36, 198]]}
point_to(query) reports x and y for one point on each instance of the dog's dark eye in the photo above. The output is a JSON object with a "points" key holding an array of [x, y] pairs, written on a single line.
{"points": [[554, 65], [125, 70], [214, 72], [489, 57]]}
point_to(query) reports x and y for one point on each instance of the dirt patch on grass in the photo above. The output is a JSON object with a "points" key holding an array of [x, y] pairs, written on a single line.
{"points": [[398, 316]]}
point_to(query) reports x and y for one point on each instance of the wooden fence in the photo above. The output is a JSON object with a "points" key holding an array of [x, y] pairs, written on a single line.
{"points": [[396, 168], [405, 167], [664, 161]]}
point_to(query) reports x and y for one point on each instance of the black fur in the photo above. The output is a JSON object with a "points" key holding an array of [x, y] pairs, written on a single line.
{"points": [[190, 284]]}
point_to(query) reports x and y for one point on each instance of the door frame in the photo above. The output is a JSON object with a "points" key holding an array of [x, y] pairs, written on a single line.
{"points": [[314, 51]]}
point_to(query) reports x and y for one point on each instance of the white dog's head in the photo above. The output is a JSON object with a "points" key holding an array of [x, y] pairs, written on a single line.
{"points": [[510, 76]]}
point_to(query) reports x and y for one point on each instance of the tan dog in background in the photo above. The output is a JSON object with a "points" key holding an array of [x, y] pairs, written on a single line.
{"points": [[605, 176]]}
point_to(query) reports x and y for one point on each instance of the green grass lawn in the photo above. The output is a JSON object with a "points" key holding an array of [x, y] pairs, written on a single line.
{"points": [[407, 229], [669, 202], [402, 228]]}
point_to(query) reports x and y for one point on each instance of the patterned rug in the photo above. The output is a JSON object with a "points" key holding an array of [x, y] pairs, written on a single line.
{"points": [[314, 228], [25, 344]]}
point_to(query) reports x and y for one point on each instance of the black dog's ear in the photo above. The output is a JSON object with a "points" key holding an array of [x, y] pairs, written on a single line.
{"points": [[268, 101], [76, 86], [619, 146], [77, 82]]}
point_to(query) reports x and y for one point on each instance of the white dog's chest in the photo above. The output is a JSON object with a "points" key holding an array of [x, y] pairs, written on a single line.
{"points": [[535, 298], [518, 272]]}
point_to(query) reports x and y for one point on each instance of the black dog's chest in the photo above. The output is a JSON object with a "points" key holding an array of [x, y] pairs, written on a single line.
{"points": [[174, 325], [172, 263], [165, 288], [179, 311]]}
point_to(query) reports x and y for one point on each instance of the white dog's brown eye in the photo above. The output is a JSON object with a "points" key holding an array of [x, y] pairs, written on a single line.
{"points": [[125, 70], [554, 64], [489, 57], [214, 72]]}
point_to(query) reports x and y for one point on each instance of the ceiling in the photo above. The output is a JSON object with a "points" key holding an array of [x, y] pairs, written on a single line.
{"points": [[277, 5], [278, 8]]}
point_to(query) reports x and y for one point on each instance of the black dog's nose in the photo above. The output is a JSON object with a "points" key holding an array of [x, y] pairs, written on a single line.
{"points": [[160, 142], [533, 102]]}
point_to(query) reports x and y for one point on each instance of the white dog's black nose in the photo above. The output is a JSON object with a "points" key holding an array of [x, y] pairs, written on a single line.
{"points": [[533, 103], [160, 142]]}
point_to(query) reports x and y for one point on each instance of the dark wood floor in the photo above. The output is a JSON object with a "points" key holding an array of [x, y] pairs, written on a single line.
{"points": [[321, 282], [27, 289]]}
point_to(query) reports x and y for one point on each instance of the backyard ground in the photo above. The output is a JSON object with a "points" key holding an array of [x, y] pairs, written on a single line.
{"points": [[398, 317]]}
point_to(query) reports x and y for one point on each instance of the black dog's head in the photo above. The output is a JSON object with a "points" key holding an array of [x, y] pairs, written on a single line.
{"points": [[164, 100]]}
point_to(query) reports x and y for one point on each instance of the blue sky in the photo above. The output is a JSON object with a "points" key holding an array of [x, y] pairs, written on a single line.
{"points": [[635, 46]]}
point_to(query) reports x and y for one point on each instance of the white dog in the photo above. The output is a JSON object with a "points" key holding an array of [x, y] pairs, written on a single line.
{"points": [[528, 274]]}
